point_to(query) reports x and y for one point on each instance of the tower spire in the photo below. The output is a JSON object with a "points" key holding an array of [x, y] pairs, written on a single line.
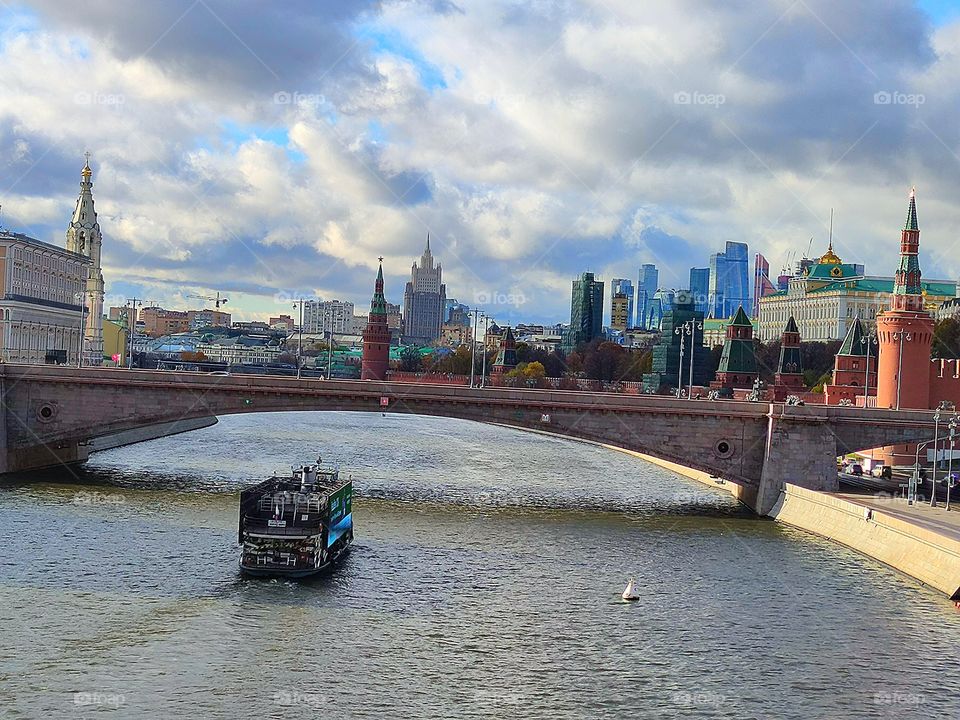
{"points": [[907, 290], [911, 223]]}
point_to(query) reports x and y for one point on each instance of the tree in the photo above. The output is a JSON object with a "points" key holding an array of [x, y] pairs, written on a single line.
{"points": [[601, 363], [633, 365], [824, 379], [287, 358], [534, 371], [946, 339], [410, 360], [190, 356]]}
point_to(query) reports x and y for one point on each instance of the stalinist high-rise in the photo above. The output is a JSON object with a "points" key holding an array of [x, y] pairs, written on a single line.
{"points": [[84, 238], [423, 301]]}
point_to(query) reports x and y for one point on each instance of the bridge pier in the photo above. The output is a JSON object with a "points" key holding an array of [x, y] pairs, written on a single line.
{"points": [[799, 453]]}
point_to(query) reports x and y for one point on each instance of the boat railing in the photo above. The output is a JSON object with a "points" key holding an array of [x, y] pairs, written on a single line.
{"points": [[298, 501]]}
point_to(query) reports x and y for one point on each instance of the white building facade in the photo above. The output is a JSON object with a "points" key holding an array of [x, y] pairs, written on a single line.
{"points": [[43, 292], [319, 314]]}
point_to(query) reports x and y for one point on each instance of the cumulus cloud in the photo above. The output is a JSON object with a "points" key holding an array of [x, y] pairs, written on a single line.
{"points": [[276, 149]]}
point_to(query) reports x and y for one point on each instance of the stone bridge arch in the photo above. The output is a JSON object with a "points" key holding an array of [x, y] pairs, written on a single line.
{"points": [[53, 412]]}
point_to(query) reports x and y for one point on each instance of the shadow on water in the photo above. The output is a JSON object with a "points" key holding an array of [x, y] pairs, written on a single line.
{"points": [[652, 499]]}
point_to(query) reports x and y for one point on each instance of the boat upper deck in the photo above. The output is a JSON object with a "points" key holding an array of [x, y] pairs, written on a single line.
{"points": [[292, 506]]}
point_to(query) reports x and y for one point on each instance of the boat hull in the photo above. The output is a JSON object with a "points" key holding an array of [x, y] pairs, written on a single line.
{"points": [[295, 574]]}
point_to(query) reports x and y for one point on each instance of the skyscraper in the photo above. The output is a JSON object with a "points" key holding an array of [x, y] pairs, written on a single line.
{"points": [[619, 312], [647, 285], [729, 280], [84, 238], [621, 286], [761, 283], [700, 288], [424, 299], [586, 311]]}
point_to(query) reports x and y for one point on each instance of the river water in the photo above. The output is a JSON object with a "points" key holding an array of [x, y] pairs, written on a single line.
{"points": [[483, 583]]}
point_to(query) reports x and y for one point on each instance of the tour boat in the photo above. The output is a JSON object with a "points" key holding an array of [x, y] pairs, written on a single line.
{"points": [[295, 526], [630, 592]]}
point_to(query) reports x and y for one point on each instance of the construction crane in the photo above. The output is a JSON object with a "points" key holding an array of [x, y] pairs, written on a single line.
{"points": [[217, 300]]}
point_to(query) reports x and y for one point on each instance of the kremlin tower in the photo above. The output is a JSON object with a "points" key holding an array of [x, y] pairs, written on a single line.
{"points": [[376, 336], [905, 331]]}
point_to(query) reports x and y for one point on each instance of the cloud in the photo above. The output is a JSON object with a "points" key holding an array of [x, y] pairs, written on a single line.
{"points": [[257, 148]]}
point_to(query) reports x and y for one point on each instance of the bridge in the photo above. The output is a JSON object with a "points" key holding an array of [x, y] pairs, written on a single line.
{"points": [[52, 413]]}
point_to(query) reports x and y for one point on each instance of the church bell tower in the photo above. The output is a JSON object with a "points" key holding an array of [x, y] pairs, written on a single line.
{"points": [[84, 238]]}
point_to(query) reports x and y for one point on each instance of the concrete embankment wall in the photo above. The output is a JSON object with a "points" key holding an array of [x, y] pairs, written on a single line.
{"points": [[930, 557], [152, 432]]}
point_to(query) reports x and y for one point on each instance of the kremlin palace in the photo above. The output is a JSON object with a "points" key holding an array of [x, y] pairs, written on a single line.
{"points": [[827, 298]]}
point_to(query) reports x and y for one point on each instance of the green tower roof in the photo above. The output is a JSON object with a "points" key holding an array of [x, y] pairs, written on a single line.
{"points": [[853, 343], [912, 212], [741, 319], [791, 326]]}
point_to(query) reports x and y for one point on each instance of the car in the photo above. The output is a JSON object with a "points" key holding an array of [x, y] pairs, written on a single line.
{"points": [[218, 372], [855, 469]]}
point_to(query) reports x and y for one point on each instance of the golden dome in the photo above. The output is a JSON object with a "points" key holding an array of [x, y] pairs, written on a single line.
{"points": [[830, 257]]}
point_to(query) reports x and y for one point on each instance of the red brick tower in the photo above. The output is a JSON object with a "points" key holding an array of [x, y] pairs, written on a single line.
{"points": [[788, 379], [905, 331], [507, 357], [376, 336]]}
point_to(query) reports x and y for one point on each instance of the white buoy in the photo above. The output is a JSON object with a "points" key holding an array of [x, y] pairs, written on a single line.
{"points": [[630, 592]]}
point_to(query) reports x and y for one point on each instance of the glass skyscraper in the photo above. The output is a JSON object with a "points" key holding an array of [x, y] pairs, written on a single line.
{"points": [[621, 286], [729, 281], [700, 288], [647, 285], [586, 311]]}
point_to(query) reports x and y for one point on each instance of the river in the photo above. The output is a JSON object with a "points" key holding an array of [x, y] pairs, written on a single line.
{"points": [[483, 583]]}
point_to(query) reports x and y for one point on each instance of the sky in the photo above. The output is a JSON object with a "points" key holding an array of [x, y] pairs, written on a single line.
{"points": [[269, 151]]}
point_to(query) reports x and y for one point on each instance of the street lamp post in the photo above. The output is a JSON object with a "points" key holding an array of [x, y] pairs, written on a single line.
{"points": [[483, 372], [687, 329], [953, 430], [914, 481], [83, 309], [867, 340], [936, 447], [300, 337], [330, 346], [473, 344], [680, 331], [131, 306], [900, 335], [695, 326]]}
